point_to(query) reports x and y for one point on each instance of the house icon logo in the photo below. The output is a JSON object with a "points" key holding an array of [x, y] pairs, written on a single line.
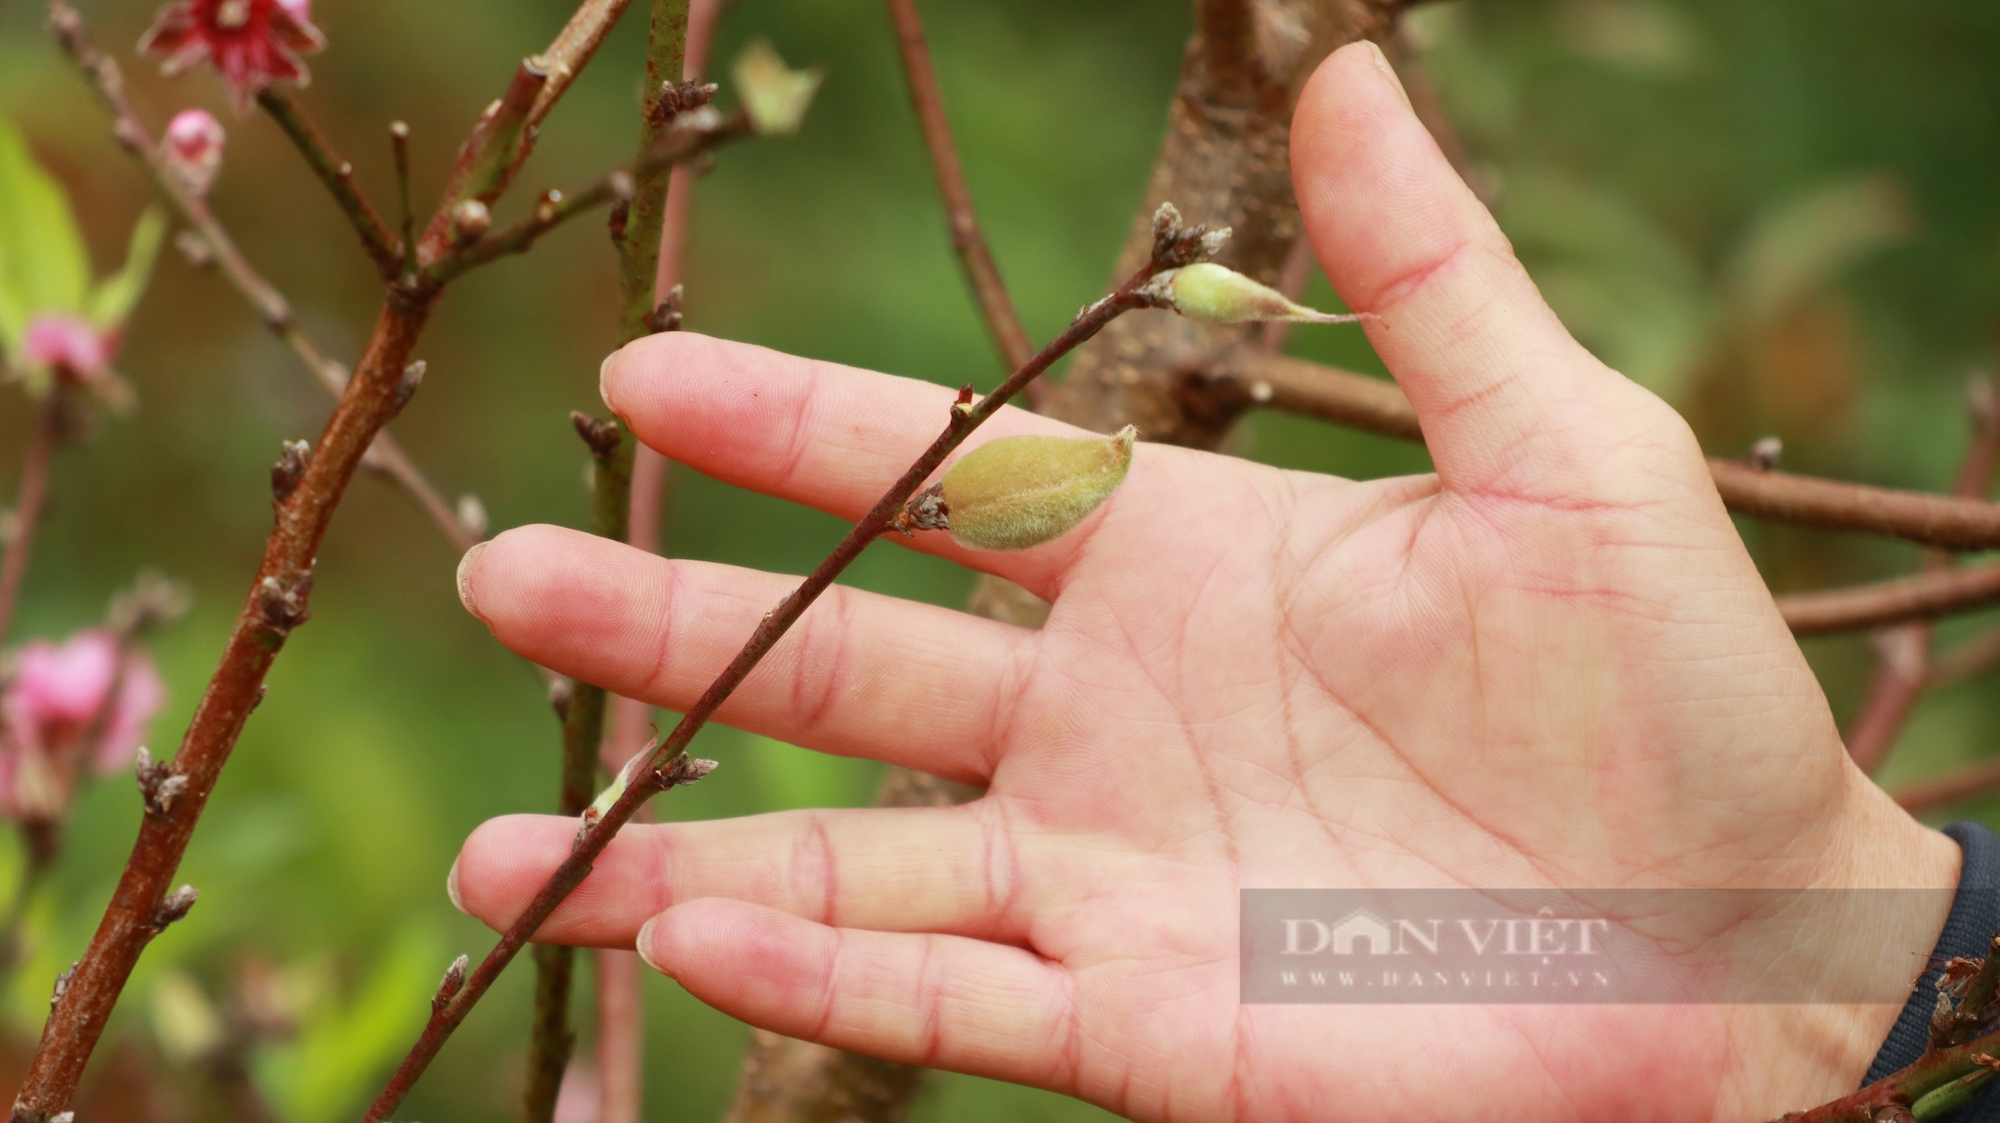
{"points": [[1364, 928]]}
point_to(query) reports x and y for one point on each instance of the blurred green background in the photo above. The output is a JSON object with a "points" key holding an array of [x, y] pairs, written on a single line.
{"points": [[1778, 215]]}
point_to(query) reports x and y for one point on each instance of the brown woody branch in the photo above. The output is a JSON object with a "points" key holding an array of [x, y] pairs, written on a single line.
{"points": [[571, 50], [278, 602], [1971, 657], [386, 455], [1966, 783], [690, 136], [337, 173], [620, 978], [642, 196], [1924, 596], [967, 240], [667, 763], [1239, 379], [1904, 652]]}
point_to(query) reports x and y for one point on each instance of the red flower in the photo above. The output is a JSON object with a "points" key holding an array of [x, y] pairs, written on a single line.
{"points": [[251, 43]]}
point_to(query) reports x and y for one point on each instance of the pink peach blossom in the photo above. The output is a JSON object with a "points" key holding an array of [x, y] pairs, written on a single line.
{"points": [[250, 43], [70, 345]]}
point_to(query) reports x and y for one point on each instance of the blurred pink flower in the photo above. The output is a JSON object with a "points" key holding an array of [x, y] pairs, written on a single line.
{"points": [[250, 43], [60, 699], [192, 148], [67, 344]]}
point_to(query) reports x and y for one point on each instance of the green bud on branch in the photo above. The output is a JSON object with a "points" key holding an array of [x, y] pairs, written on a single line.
{"points": [[1018, 492], [1207, 291]]}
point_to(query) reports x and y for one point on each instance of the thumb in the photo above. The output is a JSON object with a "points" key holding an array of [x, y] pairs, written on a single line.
{"points": [[1508, 401]]}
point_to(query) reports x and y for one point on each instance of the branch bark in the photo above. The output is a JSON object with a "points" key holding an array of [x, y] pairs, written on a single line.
{"points": [[386, 455], [667, 765], [1904, 653], [638, 243], [337, 173], [278, 602], [996, 308]]}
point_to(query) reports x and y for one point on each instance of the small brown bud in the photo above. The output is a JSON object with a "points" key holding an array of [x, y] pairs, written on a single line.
{"points": [[601, 435], [289, 470], [470, 220], [1018, 492], [195, 249], [174, 906], [452, 983], [406, 387], [1218, 295]]}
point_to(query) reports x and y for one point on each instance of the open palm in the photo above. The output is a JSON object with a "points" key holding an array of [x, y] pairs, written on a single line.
{"points": [[1550, 664]]}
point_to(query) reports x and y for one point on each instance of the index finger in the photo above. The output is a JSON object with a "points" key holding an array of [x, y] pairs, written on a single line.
{"points": [[818, 433]]}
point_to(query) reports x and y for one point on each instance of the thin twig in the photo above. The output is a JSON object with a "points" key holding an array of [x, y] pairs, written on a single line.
{"points": [[1251, 377], [637, 237], [1923, 596], [1953, 787], [663, 764], [996, 308], [687, 140], [406, 216], [1904, 652], [1971, 657], [572, 49], [278, 602], [381, 244], [386, 455], [29, 501]]}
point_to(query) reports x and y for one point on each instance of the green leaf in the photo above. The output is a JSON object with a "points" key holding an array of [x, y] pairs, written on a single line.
{"points": [[43, 263], [114, 298]]}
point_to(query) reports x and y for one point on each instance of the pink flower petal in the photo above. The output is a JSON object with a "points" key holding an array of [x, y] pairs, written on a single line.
{"points": [[192, 148], [67, 344], [66, 684]]}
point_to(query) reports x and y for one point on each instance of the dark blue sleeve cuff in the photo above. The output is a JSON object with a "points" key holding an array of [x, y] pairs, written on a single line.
{"points": [[1968, 930]]}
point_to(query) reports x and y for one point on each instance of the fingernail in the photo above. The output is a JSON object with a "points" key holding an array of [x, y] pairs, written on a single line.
{"points": [[645, 938], [451, 888], [604, 372], [465, 596], [1389, 72]]}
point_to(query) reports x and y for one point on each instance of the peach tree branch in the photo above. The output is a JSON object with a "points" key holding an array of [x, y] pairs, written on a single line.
{"points": [[272, 309], [1250, 377], [685, 140], [337, 173], [667, 764], [968, 241], [306, 493], [642, 200], [1904, 652]]}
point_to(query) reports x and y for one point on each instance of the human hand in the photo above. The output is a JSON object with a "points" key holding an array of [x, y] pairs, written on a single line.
{"points": [[1550, 664]]}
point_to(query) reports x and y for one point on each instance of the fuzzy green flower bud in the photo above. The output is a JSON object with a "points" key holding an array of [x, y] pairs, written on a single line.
{"points": [[1018, 492], [1207, 291]]}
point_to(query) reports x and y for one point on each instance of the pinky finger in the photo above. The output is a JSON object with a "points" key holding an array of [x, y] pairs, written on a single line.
{"points": [[945, 1002]]}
